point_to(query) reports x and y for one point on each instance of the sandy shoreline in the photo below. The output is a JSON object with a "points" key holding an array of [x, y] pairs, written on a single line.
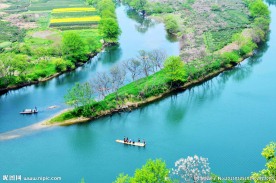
{"points": [[20, 132]]}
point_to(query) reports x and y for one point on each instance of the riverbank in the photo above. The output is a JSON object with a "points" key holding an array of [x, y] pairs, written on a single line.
{"points": [[158, 85], [60, 40], [129, 106], [41, 80]]}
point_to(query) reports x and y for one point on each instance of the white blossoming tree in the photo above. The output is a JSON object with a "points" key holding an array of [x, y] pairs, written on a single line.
{"points": [[192, 169]]}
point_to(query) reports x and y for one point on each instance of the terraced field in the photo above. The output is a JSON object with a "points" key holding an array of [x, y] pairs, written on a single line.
{"points": [[74, 18]]}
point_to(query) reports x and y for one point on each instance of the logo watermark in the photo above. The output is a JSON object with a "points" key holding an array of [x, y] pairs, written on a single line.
{"points": [[8, 178]]}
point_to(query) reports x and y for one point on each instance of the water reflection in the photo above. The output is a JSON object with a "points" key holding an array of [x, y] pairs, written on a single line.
{"points": [[177, 110], [81, 138], [144, 23], [111, 54], [271, 2]]}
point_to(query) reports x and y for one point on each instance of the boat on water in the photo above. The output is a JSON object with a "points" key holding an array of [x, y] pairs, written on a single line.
{"points": [[140, 144], [29, 111]]}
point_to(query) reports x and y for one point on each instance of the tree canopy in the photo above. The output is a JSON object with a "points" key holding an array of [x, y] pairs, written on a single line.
{"points": [[73, 47], [174, 68], [154, 171]]}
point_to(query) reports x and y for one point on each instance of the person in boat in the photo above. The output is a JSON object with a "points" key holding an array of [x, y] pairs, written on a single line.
{"points": [[35, 109], [133, 142], [129, 140], [124, 139], [144, 141], [139, 140]]}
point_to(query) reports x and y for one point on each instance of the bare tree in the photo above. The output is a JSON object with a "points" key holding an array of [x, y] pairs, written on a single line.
{"points": [[157, 58], [101, 83], [146, 64], [117, 77], [134, 67]]}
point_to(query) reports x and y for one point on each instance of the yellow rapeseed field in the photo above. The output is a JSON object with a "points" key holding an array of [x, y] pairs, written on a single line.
{"points": [[76, 19], [63, 10]]}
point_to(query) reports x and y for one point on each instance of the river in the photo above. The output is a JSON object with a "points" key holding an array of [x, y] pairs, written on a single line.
{"points": [[228, 119]]}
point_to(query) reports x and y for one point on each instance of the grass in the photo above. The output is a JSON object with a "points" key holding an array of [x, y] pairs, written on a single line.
{"points": [[66, 10]]}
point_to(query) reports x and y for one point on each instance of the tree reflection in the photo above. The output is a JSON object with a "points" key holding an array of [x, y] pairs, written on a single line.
{"points": [[271, 2], [111, 54], [144, 23], [177, 110]]}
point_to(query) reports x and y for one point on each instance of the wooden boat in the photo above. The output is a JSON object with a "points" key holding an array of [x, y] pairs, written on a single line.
{"points": [[140, 144], [29, 111]]}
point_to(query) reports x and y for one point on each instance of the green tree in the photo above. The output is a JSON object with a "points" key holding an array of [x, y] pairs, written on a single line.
{"points": [[171, 24], [270, 171], [106, 5], [81, 95], [122, 178], [154, 171], [174, 69], [109, 29], [73, 47], [259, 9]]}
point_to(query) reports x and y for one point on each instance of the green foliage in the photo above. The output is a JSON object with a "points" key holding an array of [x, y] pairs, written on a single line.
{"points": [[139, 5], [108, 25], [174, 69], [257, 8], [158, 8], [73, 47], [90, 37], [62, 65], [79, 95], [247, 48], [229, 57], [82, 180], [154, 171], [270, 172], [11, 33], [171, 24], [122, 178], [109, 29]]}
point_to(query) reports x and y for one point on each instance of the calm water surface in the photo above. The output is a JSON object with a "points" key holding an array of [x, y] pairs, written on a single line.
{"points": [[228, 119]]}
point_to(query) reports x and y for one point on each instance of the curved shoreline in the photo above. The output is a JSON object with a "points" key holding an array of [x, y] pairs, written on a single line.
{"points": [[21, 85], [130, 106], [17, 133]]}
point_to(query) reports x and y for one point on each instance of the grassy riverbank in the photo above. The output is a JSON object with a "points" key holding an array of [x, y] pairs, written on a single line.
{"points": [[135, 95], [160, 84], [42, 39]]}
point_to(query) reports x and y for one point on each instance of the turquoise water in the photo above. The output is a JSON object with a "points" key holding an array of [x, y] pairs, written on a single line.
{"points": [[228, 119]]}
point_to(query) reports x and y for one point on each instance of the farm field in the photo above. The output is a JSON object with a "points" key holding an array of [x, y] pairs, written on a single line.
{"points": [[33, 30]]}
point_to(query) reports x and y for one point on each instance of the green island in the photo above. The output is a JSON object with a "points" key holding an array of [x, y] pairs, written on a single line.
{"points": [[41, 39], [214, 36]]}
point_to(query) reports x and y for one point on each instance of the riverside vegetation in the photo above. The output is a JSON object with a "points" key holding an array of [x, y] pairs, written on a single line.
{"points": [[40, 38], [151, 79]]}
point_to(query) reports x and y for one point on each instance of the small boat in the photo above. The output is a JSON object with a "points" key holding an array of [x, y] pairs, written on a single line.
{"points": [[29, 111], [52, 107], [140, 144]]}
